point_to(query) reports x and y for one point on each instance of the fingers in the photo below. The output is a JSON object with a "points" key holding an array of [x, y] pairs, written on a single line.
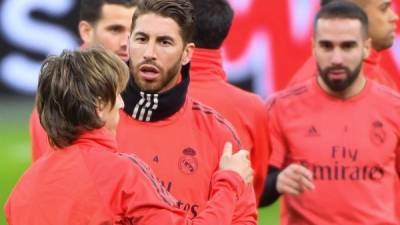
{"points": [[227, 149], [295, 179], [243, 153], [302, 171], [238, 162], [291, 186], [306, 183], [288, 185]]}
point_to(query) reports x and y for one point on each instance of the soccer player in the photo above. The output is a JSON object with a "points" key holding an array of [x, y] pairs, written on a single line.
{"points": [[102, 22], [208, 84], [177, 136], [107, 23], [382, 27], [85, 180], [335, 139]]}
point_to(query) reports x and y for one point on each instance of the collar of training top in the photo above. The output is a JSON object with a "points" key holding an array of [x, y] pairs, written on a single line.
{"points": [[151, 107]]}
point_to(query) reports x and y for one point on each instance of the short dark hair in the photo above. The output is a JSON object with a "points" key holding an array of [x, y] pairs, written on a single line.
{"points": [[359, 2], [213, 21], [343, 10], [325, 2], [90, 10], [181, 11], [70, 88]]}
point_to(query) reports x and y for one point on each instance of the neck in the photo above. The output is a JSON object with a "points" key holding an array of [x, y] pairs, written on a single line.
{"points": [[374, 57], [353, 90], [151, 107]]}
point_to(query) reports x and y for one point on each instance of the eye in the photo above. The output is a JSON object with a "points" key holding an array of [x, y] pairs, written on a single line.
{"points": [[115, 29], [325, 45], [140, 39], [348, 45], [166, 43], [384, 7]]}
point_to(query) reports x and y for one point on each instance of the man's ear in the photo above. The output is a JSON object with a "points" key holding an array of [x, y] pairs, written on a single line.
{"points": [[367, 48], [187, 53], [100, 108], [86, 31]]}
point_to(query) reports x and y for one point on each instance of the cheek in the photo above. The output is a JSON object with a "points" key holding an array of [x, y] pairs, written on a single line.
{"points": [[322, 58], [135, 52], [171, 57], [354, 59], [379, 25], [108, 40]]}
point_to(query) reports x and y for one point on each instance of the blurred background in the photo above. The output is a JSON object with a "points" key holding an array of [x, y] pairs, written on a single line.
{"points": [[268, 42]]}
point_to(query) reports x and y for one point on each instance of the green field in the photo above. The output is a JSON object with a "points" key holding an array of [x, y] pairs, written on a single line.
{"points": [[15, 151]]}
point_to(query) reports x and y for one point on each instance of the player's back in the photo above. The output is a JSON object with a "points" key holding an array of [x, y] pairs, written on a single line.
{"points": [[243, 109], [61, 188], [89, 183]]}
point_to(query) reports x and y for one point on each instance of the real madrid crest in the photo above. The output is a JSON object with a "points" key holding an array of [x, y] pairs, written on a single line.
{"points": [[188, 162], [377, 133]]}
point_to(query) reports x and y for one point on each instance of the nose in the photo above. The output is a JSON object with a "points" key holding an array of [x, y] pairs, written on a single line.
{"points": [[149, 52], [124, 41], [337, 58], [394, 15]]}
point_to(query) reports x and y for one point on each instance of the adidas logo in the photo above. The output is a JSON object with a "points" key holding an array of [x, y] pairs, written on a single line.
{"points": [[312, 132]]}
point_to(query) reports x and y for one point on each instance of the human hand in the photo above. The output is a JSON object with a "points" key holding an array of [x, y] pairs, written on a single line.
{"points": [[238, 162], [294, 179]]}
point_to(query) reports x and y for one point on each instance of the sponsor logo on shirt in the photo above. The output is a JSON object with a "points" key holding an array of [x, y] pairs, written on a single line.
{"points": [[344, 166], [193, 209], [188, 163], [377, 133], [188, 207]]}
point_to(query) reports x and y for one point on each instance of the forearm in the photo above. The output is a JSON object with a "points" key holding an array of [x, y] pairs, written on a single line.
{"points": [[227, 188], [246, 208]]}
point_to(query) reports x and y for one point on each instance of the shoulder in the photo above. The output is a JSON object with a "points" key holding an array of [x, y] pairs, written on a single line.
{"points": [[206, 118], [384, 98], [290, 95], [242, 98], [305, 72], [203, 111], [384, 91]]}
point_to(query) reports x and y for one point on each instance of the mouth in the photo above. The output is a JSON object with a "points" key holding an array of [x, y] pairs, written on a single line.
{"points": [[149, 72], [123, 56], [338, 74], [393, 33]]}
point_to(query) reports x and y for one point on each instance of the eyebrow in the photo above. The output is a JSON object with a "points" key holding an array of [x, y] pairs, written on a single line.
{"points": [[115, 26], [141, 34], [325, 42], [166, 37], [350, 43]]}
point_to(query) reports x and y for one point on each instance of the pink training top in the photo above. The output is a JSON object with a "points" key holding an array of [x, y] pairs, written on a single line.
{"points": [[351, 146]]}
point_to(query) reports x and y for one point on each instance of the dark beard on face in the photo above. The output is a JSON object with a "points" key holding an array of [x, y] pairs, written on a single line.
{"points": [[339, 85], [170, 74]]}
